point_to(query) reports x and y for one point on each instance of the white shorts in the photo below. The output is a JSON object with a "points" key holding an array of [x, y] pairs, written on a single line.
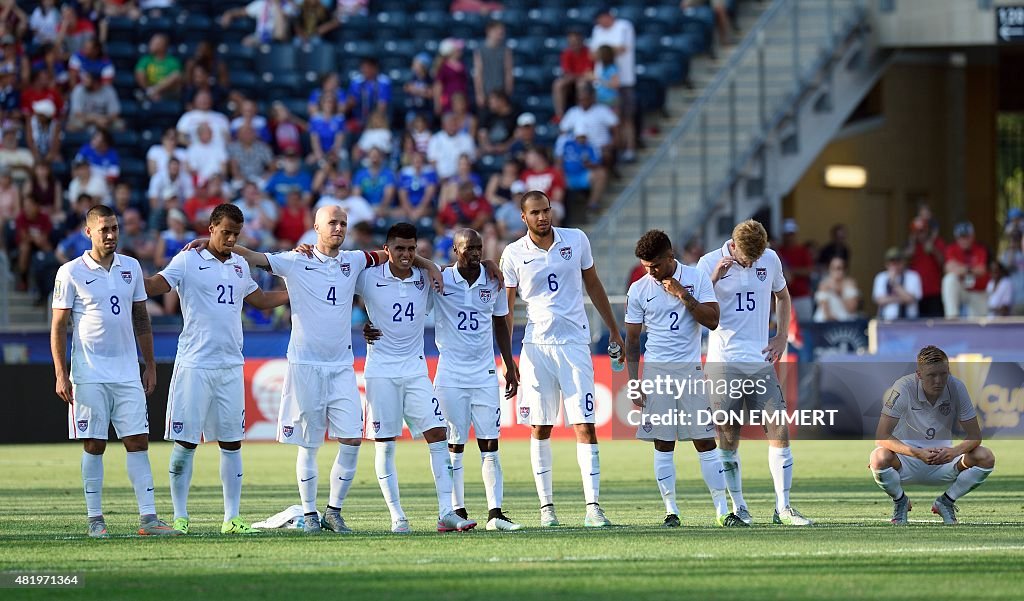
{"points": [[482, 406], [666, 417], [552, 374], [388, 400], [318, 400], [914, 471], [206, 405], [97, 406], [762, 381]]}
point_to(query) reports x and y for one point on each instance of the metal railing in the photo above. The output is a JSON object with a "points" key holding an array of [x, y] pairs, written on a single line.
{"points": [[702, 154]]}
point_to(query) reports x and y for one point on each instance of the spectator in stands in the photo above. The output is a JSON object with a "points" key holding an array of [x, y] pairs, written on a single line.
{"points": [[419, 92], [13, 18], [205, 56], [80, 209], [463, 173], [966, 279], [599, 121], [417, 193], [927, 253], [1000, 291], [896, 290], [272, 20], [260, 218], [493, 63], [525, 137], [101, 156], [343, 9], [497, 126], [122, 197], [540, 175], [797, 264], [466, 209], [376, 135], [36, 262], [329, 86], [1013, 259], [10, 95], [19, 160], [173, 181], [44, 22], [91, 60], [202, 113], [606, 78], [93, 105], [311, 22], [693, 250], [286, 130], [206, 198], [249, 158], [577, 66], [248, 114], [47, 192], [836, 247], [11, 54], [420, 133], [339, 193], [158, 155], [619, 34], [837, 295], [43, 132], [50, 58], [499, 186], [10, 199], [368, 92], [201, 81], [205, 157], [289, 176], [722, 20], [509, 216], [446, 146], [450, 75], [158, 73], [137, 241], [169, 243], [85, 181], [376, 183], [75, 243], [582, 167], [294, 220], [465, 120], [327, 132], [41, 87]]}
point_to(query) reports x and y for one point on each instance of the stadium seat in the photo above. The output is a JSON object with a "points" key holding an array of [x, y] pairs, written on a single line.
{"points": [[238, 30], [391, 25], [123, 54], [149, 26], [355, 49], [317, 60], [122, 29], [276, 58], [245, 81], [297, 106], [542, 107], [193, 27], [124, 81], [282, 83], [238, 56], [532, 79]]}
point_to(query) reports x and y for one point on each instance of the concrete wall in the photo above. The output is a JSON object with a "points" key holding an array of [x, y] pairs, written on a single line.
{"points": [[919, 23]]}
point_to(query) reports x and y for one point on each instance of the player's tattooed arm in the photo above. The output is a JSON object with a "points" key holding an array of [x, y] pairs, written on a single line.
{"points": [[59, 349], [706, 314], [144, 338]]}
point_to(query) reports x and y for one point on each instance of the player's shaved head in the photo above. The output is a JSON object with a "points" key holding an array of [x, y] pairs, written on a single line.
{"points": [[97, 214], [102, 229], [331, 224], [469, 248], [465, 236], [536, 213]]}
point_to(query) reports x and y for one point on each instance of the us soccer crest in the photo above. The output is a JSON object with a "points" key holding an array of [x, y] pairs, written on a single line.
{"points": [[346, 269], [126, 276], [287, 430], [762, 273], [485, 295], [524, 412], [177, 427], [566, 252], [419, 283], [83, 424], [647, 427], [689, 289], [376, 426], [238, 270], [944, 409]]}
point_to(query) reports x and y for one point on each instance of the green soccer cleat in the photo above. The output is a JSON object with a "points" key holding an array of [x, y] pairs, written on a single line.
{"points": [[900, 508], [731, 520], [181, 525], [595, 517], [236, 526], [548, 519], [98, 528], [790, 517], [945, 508], [671, 521], [156, 527]]}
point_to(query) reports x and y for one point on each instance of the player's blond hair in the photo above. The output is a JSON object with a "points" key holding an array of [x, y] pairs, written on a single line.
{"points": [[750, 239], [931, 355]]}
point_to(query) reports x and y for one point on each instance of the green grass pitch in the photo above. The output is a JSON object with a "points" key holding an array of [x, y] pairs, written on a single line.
{"points": [[853, 553]]}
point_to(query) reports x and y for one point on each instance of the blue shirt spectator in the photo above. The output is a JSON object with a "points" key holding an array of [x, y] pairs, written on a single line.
{"points": [[74, 245], [416, 184], [100, 68], [576, 156], [291, 177], [376, 183], [369, 91], [327, 129], [101, 156]]}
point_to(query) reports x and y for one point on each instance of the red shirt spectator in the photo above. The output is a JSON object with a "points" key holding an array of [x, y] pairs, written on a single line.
{"points": [[291, 225], [973, 256], [26, 227], [549, 181], [798, 262], [467, 210], [927, 265], [41, 88], [576, 61], [199, 207]]}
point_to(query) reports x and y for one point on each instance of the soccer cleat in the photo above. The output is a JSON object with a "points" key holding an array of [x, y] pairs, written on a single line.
{"points": [[181, 525], [595, 517], [548, 519], [790, 517], [98, 529], [454, 523], [462, 513], [311, 524], [502, 522], [236, 526], [401, 526], [744, 515], [900, 508], [671, 521], [731, 520], [945, 508], [158, 528], [333, 522]]}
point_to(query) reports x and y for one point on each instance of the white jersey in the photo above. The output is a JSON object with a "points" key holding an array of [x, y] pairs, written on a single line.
{"points": [[398, 308], [744, 299], [673, 335], [464, 331], [211, 294], [551, 283], [103, 347], [320, 291], [923, 424]]}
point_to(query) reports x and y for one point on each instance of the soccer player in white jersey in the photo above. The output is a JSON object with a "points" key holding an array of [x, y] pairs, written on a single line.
{"points": [[398, 297], [468, 316], [673, 301], [207, 397], [915, 435], [747, 276], [103, 293], [549, 267]]}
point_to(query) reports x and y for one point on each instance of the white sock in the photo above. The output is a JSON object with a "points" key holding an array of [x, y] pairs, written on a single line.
{"points": [[540, 459], [665, 474], [458, 481], [181, 478], [92, 480], [441, 466], [780, 464], [306, 474], [342, 474], [889, 481], [967, 480], [713, 472], [141, 477], [733, 477], [231, 481], [494, 484], [590, 469], [387, 477]]}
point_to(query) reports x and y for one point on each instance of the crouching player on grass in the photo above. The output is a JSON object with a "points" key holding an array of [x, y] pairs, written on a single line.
{"points": [[915, 438]]}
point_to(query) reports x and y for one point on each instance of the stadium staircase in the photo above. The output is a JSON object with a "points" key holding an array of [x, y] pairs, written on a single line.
{"points": [[753, 130]]}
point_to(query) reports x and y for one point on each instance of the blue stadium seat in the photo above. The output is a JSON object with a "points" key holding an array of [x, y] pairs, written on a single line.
{"points": [[238, 30], [355, 48], [317, 60], [298, 106], [542, 107], [193, 27], [282, 83], [148, 26], [391, 24], [403, 48], [122, 29], [246, 82], [123, 54], [276, 58], [134, 170], [532, 79], [237, 56], [124, 81]]}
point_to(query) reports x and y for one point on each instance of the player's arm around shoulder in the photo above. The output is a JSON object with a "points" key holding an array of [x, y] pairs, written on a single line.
{"points": [[267, 300]]}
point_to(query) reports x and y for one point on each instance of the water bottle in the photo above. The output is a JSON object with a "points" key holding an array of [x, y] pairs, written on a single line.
{"points": [[615, 354]]}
